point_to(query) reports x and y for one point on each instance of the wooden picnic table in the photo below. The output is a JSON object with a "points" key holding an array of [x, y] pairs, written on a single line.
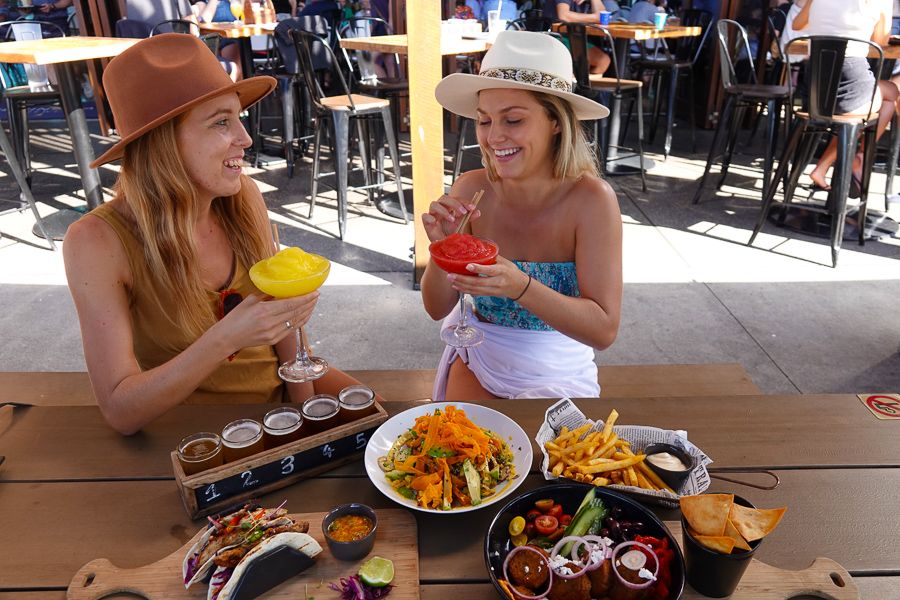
{"points": [[79, 491]]}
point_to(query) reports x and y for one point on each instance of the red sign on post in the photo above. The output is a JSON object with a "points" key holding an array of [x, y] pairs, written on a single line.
{"points": [[883, 406]]}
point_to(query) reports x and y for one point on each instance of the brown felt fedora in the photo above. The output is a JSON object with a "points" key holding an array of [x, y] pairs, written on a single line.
{"points": [[161, 77]]}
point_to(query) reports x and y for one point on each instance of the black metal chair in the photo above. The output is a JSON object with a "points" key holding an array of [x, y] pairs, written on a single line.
{"points": [[212, 41], [826, 60], [295, 103], [531, 22], [340, 110], [616, 87], [133, 28], [175, 26], [675, 61], [740, 97]]}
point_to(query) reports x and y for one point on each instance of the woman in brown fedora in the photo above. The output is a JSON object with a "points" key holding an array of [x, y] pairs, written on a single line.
{"points": [[555, 292], [159, 274]]}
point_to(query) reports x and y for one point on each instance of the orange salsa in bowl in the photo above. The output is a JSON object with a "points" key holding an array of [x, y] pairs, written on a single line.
{"points": [[349, 528]]}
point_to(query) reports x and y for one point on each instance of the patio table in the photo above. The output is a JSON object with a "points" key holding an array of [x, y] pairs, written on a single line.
{"points": [[90, 493], [63, 53]]}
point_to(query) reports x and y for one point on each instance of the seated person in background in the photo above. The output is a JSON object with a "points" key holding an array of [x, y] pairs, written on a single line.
{"points": [[861, 19], [219, 11], [555, 292], [581, 11], [53, 11], [153, 12], [642, 11], [318, 7], [508, 10], [150, 270], [463, 10]]}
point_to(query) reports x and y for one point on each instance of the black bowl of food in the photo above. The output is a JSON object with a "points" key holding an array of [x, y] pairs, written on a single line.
{"points": [[591, 541], [350, 531], [671, 463]]}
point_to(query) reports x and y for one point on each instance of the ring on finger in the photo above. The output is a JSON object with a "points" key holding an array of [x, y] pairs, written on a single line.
{"points": [[287, 325]]}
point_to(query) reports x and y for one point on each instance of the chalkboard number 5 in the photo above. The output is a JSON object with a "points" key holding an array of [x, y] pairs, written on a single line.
{"points": [[287, 465], [360, 440], [327, 450], [211, 493]]}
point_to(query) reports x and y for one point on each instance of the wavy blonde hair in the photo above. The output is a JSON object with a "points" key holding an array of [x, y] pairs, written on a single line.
{"points": [[158, 191], [572, 155]]}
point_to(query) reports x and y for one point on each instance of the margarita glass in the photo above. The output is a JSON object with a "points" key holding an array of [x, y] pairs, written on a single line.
{"points": [[453, 254], [293, 272]]}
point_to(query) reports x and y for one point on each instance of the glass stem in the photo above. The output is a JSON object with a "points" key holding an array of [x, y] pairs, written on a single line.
{"points": [[302, 354], [462, 310]]}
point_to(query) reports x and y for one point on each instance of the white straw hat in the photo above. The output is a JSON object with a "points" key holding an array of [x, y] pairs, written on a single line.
{"points": [[522, 60]]}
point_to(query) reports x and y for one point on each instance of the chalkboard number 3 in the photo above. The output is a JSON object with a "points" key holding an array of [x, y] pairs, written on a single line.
{"points": [[287, 465], [211, 493], [247, 478]]}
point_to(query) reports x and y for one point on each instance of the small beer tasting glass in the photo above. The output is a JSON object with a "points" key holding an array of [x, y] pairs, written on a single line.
{"points": [[357, 401], [199, 452], [321, 412], [281, 426], [241, 438]]}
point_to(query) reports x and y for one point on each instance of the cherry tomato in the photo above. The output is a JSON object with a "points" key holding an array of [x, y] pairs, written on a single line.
{"points": [[556, 535], [555, 511], [532, 514], [519, 540], [564, 520], [546, 524], [544, 505], [530, 530], [516, 526]]}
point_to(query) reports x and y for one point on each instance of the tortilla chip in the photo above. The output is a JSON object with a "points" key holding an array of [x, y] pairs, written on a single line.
{"points": [[732, 532], [707, 513], [716, 543], [755, 523]]}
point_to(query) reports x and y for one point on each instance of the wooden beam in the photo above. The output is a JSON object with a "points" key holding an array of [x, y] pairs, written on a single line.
{"points": [[423, 20]]}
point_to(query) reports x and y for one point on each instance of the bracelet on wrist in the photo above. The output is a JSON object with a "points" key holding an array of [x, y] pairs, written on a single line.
{"points": [[527, 285]]}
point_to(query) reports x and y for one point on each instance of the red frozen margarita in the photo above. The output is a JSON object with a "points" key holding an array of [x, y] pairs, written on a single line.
{"points": [[454, 252]]}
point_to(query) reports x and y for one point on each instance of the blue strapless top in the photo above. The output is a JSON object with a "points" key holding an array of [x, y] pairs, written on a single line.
{"points": [[559, 276]]}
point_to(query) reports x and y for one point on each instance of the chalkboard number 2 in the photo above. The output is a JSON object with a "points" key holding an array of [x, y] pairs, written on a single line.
{"points": [[247, 477], [211, 493], [287, 465]]}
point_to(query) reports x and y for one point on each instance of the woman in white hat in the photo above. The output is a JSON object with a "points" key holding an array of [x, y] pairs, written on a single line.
{"points": [[554, 295], [159, 276]]}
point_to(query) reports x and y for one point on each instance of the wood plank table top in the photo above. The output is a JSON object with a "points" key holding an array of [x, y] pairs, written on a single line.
{"points": [[638, 32], [801, 48], [822, 431], [398, 44], [134, 523], [235, 31], [62, 50]]}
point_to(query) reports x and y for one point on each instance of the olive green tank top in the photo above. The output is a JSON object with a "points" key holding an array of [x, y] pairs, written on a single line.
{"points": [[251, 376]]}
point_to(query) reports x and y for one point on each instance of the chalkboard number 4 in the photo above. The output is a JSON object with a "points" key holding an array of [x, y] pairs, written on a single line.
{"points": [[327, 450]]}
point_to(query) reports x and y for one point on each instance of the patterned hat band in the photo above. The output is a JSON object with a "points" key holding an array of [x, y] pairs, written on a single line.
{"points": [[529, 76]]}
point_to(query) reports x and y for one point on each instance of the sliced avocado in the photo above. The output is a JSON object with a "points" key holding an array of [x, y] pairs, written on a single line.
{"points": [[407, 492], [395, 474], [473, 481]]}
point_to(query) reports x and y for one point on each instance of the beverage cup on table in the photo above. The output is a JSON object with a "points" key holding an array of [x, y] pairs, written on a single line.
{"points": [[241, 438], [38, 78], [712, 573], [321, 412], [494, 22], [357, 401], [605, 16], [659, 20], [199, 452], [281, 426]]}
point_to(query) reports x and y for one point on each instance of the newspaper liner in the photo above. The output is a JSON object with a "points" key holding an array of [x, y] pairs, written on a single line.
{"points": [[565, 413]]}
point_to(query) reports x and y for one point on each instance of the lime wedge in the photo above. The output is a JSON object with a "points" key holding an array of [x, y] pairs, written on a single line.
{"points": [[377, 572]]}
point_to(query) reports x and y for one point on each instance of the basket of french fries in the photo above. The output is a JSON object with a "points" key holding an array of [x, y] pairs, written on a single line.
{"points": [[606, 454]]}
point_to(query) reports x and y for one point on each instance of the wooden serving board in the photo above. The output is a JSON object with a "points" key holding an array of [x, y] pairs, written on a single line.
{"points": [[395, 539], [822, 579]]}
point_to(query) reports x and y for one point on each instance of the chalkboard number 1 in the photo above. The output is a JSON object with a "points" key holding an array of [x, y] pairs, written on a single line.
{"points": [[211, 493]]}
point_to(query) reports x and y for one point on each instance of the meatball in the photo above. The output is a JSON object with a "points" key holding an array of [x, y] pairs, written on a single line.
{"points": [[528, 569], [571, 589], [601, 579]]}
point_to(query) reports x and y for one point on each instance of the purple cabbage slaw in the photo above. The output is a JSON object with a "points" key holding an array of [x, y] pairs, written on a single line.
{"points": [[352, 588]]}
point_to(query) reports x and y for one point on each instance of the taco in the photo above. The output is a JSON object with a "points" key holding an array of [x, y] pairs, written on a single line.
{"points": [[229, 538], [225, 579]]}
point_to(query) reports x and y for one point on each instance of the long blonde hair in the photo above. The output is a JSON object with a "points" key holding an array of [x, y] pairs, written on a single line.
{"points": [[163, 204], [572, 155]]}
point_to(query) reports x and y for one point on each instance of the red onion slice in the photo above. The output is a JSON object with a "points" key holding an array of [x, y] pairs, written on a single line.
{"points": [[518, 594], [635, 586], [600, 545], [555, 552]]}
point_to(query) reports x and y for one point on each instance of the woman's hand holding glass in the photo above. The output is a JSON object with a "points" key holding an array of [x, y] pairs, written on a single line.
{"points": [[259, 322], [502, 279], [444, 214]]}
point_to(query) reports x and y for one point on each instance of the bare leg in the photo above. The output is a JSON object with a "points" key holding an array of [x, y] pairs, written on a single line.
{"points": [[463, 385], [232, 53], [599, 60]]}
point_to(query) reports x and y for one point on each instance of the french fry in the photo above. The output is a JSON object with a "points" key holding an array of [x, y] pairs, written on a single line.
{"points": [[654, 478], [558, 469], [573, 434], [608, 425], [613, 466], [643, 481], [632, 476], [600, 481]]}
